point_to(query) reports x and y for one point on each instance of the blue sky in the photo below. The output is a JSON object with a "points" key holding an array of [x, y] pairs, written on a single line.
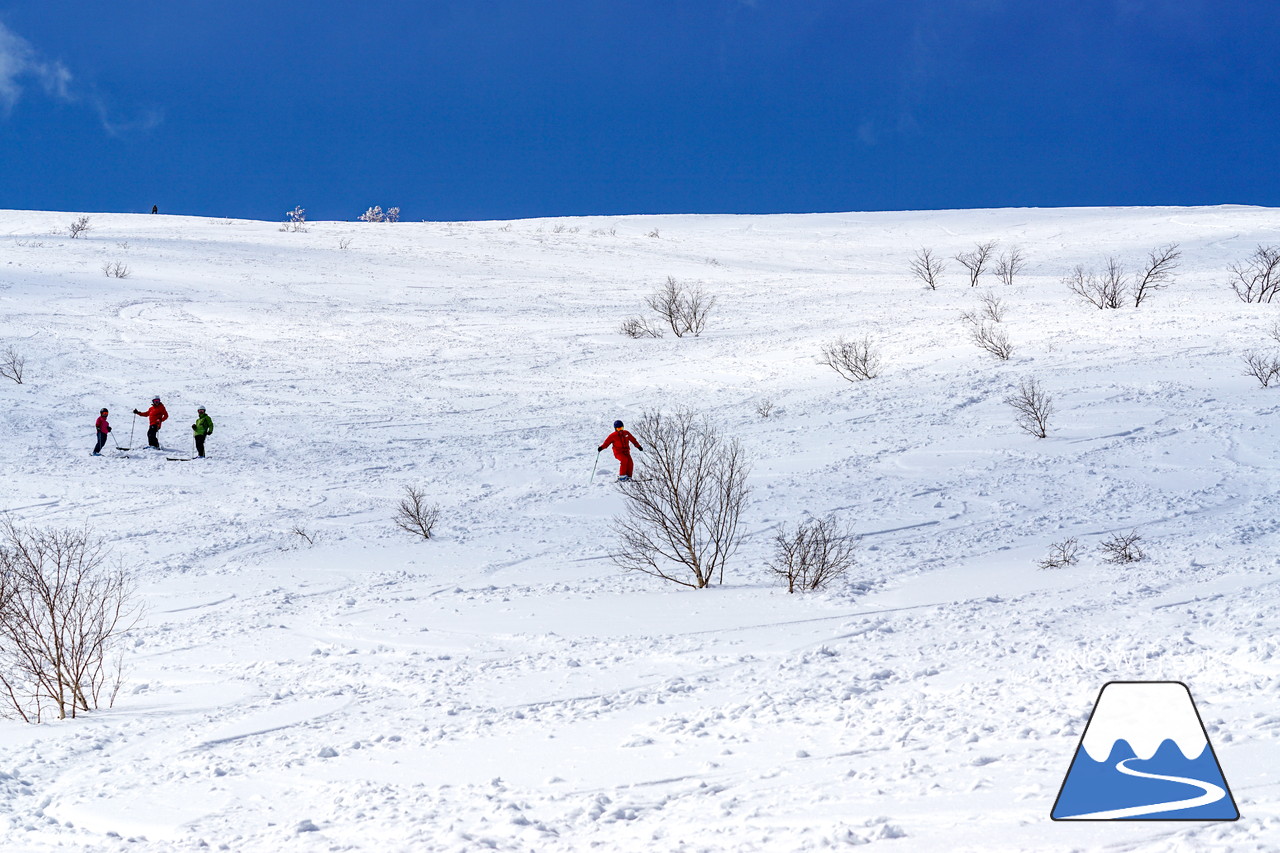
{"points": [[495, 109]]}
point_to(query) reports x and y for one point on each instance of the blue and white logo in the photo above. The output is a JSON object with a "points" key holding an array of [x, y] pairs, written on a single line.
{"points": [[1145, 755]]}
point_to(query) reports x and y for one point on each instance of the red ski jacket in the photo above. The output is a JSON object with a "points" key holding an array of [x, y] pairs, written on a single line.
{"points": [[102, 424], [621, 441], [156, 414]]}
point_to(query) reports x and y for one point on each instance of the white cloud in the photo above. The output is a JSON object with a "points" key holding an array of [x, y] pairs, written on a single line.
{"points": [[19, 61]]}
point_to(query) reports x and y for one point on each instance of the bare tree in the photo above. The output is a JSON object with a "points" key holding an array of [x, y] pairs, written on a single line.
{"points": [[304, 534], [992, 338], [854, 360], [684, 309], [1101, 291], [12, 364], [640, 327], [681, 514], [115, 269], [1122, 548], [1009, 264], [928, 268], [1257, 279], [414, 515], [1157, 273], [766, 408], [1033, 405], [79, 226], [976, 261], [62, 613], [816, 553], [1264, 368], [993, 310], [1062, 554]]}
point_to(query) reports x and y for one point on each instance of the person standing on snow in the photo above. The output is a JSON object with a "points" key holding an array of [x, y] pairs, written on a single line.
{"points": [[202, 428], [103, 428], [621, 441], [156, 415]]}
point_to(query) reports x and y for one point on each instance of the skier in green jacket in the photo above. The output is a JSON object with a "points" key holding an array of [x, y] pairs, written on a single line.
{"points": [[203, 427]]}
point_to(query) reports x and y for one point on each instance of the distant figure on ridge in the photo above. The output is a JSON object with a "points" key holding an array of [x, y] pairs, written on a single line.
{"points": [[156, 415], [103, 428], [203, 427], [621, 441], [155, 208]]}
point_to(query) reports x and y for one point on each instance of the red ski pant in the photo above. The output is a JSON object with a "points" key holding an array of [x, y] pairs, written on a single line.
{"points": [[624, 464]]}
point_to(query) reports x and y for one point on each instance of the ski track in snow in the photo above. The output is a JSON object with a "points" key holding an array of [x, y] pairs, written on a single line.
{"points": [[503, 686]]}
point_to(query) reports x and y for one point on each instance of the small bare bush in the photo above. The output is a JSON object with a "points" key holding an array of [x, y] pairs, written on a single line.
{"points": [[1157, 273], [684, 309], [344, 243], [640, 327], [79, 226], [992, 338], [1263, 367], [1033, 406], [115, 269], [295, 220], [928, 268], [680, 519], [305, 535], [1122, 548], [62, 614], [1062, 554], [12, 364], [976, 261], [766, 408], [414, 515], [855, 361], [653, 234], [993, 310], [1105, 290], [1257, 278], [819, 551], [1010, 264]]}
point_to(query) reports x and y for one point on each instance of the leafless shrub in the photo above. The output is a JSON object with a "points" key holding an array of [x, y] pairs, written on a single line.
{"points": [[1263, 367], [1122, 548], [640, 327], [855, 361], [124, 244], [79, 226], [62, 614], [1009, 264], [1062, 554], [295, 220], [992, 338], [115, 269], [766, 408], [1257, 278], [558, 229], [653, 233], [505, 228], [1033, 406], [681, 514], [1274, 331], [344, 243], [1101, 291], [684, 309], [12, 364], [1157, 273], [414, 515], [816, 553], [976, 261], [712, 262], [926, 267], [305, 535], [993, 310]]}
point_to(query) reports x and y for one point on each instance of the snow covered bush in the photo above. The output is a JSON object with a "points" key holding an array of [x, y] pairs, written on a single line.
{"points": [[1009, 264], [640, 327], [376, 214], [1264, 368], [766, 408], [680, 518], [816, 553], [1257, 279], [1062, 554], [927, 268], [12, 364], [295, 220], [414, 515], [115, 269], [684, 309], [62, 615], [976, 261], [393, 214], [855, 361], [992, 338], [79, 227], [1122, 548], [1033, 406]]}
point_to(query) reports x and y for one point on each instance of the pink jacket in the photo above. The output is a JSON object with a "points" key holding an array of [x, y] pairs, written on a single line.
{"points": [[102, 424]]}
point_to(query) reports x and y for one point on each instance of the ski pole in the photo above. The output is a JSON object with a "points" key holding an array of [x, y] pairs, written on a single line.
{"points": [[132, 426], [593, 468]]}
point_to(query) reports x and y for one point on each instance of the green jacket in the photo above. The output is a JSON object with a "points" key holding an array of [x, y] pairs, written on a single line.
{"points": [[203, 425]]}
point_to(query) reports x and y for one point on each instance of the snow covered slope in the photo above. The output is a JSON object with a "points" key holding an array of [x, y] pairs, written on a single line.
{"points": [[504, 686]]}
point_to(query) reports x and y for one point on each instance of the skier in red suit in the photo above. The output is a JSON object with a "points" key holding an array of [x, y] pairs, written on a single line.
{"points": [[621, 440], [156, 415]]}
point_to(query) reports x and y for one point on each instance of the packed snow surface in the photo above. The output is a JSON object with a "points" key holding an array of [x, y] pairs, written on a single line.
{"points": [[504, 686]]}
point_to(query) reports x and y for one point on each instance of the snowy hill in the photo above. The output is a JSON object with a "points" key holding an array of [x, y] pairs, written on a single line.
{"points": [[504, 686]]}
